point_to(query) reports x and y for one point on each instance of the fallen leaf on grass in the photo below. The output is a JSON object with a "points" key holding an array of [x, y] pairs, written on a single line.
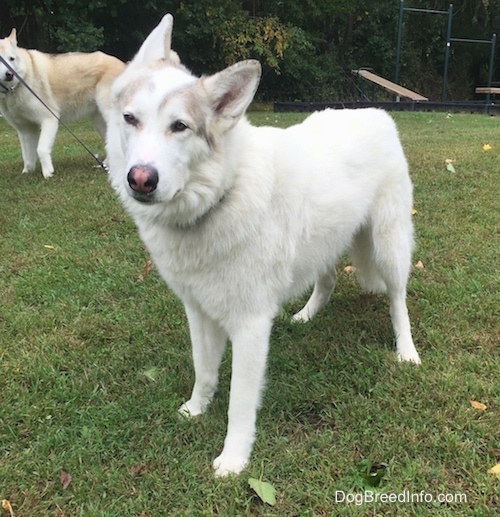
{"points": [[372, 473], [65, 479], [414, 211], [148, 266], [486, 147], [478, 405], [264, 490], [419, 265], [349, 269], [48, 246], [152, 373], [449, 165], [495, 470], [6, 506]]}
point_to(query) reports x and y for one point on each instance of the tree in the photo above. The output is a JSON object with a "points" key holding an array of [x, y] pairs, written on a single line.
{"points": [[307, 48]]}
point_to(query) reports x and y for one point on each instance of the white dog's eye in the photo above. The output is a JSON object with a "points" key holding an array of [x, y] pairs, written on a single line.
{"points": [[178, 126], [12, 58], [130, 119]]}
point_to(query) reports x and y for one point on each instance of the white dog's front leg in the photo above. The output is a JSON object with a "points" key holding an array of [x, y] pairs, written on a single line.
{"points": [[250, 346], [48, 134], [208, 341]]}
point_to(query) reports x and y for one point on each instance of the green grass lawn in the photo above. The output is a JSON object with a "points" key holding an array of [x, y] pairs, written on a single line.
{"points": [[95, 357]]}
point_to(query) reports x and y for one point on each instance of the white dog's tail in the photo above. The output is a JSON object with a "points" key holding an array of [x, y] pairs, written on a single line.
{"points": [[381, 251], [362, 253]]}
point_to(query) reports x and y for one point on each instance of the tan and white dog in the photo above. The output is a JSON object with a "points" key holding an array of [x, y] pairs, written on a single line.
{"points": [[74, 85], [238, 218]]}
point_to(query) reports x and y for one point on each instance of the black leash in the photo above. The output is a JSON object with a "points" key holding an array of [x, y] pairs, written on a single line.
{"points": [[25, 84]]}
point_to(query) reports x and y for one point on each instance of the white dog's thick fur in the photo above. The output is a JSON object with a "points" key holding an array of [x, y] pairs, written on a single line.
{"points": [[238, 219], [73, 85]]}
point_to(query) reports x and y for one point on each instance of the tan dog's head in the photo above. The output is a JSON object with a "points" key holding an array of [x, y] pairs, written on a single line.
{"points": [[11, 64]]}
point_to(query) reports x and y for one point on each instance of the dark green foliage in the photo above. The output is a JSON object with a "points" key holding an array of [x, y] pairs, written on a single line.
{"points": [[308, 48]]}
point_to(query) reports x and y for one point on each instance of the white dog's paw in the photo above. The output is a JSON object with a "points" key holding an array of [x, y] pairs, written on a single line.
{"points": [[48, 174], [184, 411], [410, 356], [301, 317], [225, 465], [192, 408]]}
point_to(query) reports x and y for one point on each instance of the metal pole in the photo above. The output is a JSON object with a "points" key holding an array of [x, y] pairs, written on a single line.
{"points": [[398, 47], [447, 53], [492, 62]]}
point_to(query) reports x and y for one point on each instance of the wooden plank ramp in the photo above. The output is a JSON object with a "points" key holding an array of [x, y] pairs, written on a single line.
{"points": [[488, 89], [391, 87]]}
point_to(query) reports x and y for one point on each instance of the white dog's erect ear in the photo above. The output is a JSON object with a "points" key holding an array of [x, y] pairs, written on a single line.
{"points": [[157, 45], [12, 37], [232, 90]]}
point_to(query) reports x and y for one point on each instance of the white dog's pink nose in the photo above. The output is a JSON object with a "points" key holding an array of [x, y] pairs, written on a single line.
{"points": [[143, 178]]}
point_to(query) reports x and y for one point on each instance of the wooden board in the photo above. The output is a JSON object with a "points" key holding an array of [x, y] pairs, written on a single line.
{"points": [[389, 86], [488, 89]]}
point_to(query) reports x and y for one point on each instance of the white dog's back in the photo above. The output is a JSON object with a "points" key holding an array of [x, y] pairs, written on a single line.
{"points": [[320, 185]]}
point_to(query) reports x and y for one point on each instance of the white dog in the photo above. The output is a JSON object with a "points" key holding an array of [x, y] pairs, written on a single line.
{"points": [[73, 85], [238, 219]]}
